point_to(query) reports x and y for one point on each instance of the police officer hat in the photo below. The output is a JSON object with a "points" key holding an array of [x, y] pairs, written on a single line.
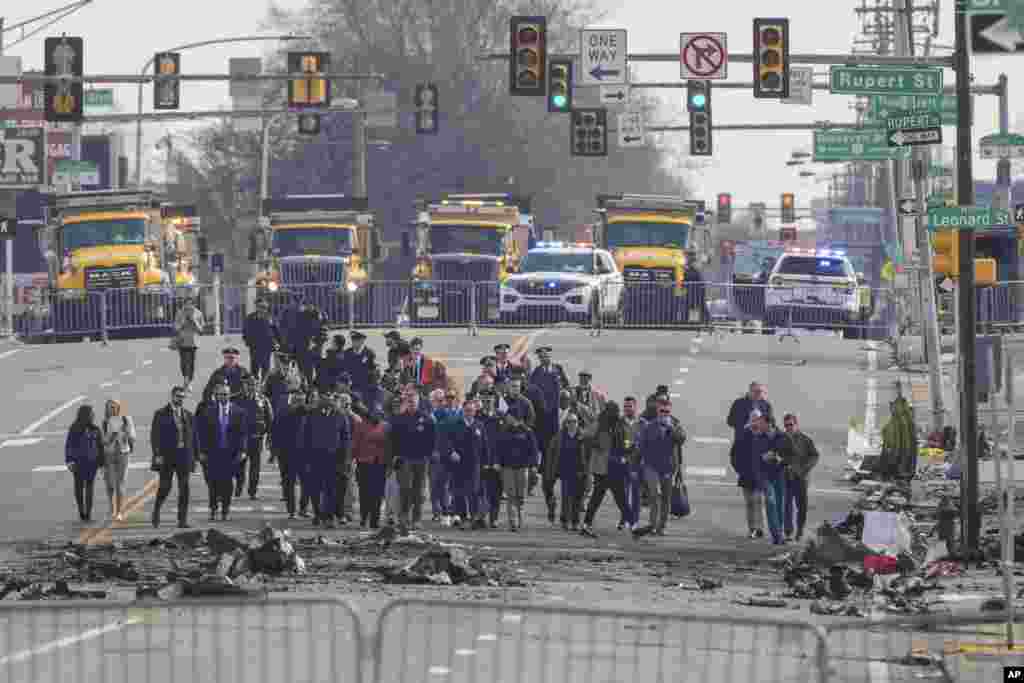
{"points": [[231, 351], [416, 341], [498, 348], [393, 334], [488, 359], [661, 389], [543, 349], [586, 373], [357, 336], [486, 393]]}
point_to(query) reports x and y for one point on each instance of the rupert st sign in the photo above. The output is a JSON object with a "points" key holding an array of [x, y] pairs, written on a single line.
{"points": [[22, 157]]}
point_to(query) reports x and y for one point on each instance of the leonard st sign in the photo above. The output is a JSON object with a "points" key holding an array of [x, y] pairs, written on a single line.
{"points": [[22, 157]]}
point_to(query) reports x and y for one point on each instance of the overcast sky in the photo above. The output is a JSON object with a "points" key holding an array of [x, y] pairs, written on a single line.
{"points": [[120, 35]]}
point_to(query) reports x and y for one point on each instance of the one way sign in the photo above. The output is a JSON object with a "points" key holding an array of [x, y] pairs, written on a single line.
{"points": [[8, 228]]}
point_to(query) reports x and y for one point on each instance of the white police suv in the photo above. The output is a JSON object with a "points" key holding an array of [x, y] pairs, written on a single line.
{"points": [[558, 282], [816, 289]]}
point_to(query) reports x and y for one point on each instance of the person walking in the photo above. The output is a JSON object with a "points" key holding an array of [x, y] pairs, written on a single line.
{"points": [[345, 504], [326, 436], [518, 455], [260, 334], [285, 446], [800, 456], [259, 418], [761, 476], [491, 488], [634, 424], [467, 453], [174, 442], [188, 327], [357, 361], [231, 373], [448, 417], [567, 462], [608, 464], [118, 444], [741, 410], [83, 455], [222, 437], [658, 444], [413, 440], [372, 454]]}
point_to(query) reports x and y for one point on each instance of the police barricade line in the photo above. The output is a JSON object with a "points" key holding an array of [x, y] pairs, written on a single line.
{"points": [[445, 303], [941, 647], [314, 640], [421, 640]]}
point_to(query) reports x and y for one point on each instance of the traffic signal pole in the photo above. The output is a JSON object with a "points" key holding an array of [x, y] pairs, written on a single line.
{"points": [[970, 517]]}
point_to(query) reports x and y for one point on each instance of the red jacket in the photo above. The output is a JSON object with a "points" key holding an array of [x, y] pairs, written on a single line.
{"points": [[371, 444]]}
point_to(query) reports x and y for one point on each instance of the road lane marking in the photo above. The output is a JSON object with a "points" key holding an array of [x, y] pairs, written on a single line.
{"points": [[136, 465], [718, 440], [706, 471], [91, 634], [465, 653], [106, 385], [439, 671], [679, 381], [516, 618], [20, 442], [487, 637], [146, 362], [8, 354], [684, 369], [102, 535], [127, 372], [50, 415]]}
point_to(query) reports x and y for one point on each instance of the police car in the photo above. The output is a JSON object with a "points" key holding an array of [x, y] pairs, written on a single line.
{"points": [[557, 281], [816, 289]]}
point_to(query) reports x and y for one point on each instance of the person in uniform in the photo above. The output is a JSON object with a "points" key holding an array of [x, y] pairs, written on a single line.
{"points": [[288, 324], [175, 444], [231, 373], [589, 401], [326, 436], [311, 336], [260, 334], [222, 438], [491, 488], [448, 415], [286, 446], [260, 418], [487, 372], [502, 365], [358, 360], [467, 452], [331, 366]]}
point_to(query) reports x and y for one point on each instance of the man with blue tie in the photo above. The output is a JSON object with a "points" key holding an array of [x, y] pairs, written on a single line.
{"points": [[222, 440]]}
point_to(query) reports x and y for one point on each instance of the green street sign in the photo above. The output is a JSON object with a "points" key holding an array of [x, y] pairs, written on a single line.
{"points": [[872, 80], [883, 106], [965, 218], [99, 99], [988, 6], [85, 172], [855, 145], [1001, 146], [912, 119]]}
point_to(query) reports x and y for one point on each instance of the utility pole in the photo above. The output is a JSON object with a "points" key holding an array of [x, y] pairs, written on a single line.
{"points": [[8, 248], [970, 517], [359, 141]]}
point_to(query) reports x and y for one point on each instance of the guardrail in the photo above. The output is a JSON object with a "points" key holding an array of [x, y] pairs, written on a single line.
{"points": [[854, 312]]}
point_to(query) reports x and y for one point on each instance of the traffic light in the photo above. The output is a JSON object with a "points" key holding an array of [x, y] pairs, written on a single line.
{"points": [[771, 58], [698, 96], [589, 133], [309, 123], [725, 208], [788, 208], [426, 109], [946, 260], [309, 89], [167, 94], [64, 100], [529, 51], [560, 86]]}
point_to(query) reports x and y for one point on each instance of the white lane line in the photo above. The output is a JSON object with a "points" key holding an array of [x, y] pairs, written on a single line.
{"points": [[50, 415], [718, 440], [19, 442], [106, 385], [127, 372], [679, 381], [8, 354], [512, 618], [675, 395], [146, 362], [714, 484], [137, 465], [487, 637], [439, 671], [684, 369], [465, 653], [91, 634], [706, 471]]}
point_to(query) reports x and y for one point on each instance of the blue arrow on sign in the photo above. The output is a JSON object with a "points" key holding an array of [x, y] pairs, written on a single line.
{"points": [[599, 73]]}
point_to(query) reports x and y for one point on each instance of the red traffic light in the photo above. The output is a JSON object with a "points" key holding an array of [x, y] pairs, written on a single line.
{"points": [[725, 200]]}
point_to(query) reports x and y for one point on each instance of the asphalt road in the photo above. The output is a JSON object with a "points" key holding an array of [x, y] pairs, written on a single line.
{"points": [[821, 379]]}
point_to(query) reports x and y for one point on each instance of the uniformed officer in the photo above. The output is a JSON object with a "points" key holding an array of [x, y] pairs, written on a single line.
{"points": [[393, 339], [358, 360], [502, 364], [327, 436], [311, 334], [549, 380], [331, 365]]}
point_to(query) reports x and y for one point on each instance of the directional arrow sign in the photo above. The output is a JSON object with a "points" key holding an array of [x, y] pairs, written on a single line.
{"points": [[993, 34], [914, 128], [8, 228], [603, 57], [908, 207], [614, 94], [631, 129]]}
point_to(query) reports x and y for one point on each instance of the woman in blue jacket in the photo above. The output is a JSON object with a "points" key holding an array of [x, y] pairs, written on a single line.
{"points": [[82, 451], [518, 453]]}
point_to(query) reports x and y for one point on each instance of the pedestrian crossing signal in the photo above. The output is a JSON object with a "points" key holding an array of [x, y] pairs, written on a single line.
{"points": [[588, 133], [8, 228], [64, 100], [788, 208], [725, 208]]}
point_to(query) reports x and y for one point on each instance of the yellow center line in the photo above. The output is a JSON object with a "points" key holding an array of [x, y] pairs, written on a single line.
{"points": [[102, 535]]}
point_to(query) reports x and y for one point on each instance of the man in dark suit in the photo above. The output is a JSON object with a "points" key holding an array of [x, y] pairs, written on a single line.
{"points": [[260, 334], [174, 442], [222, 440], [358, 360]]}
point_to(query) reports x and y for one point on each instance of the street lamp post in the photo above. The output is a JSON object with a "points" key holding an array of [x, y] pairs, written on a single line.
{"points": [[179, 48]]}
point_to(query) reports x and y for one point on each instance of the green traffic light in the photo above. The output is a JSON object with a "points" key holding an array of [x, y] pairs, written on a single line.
{"points": [[560, 101], [699, 101]]}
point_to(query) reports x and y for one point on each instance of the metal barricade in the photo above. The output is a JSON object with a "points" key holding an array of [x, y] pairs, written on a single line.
{"points": [[441, 303], [435, 640], [943, 648], [315, 640], [134, 309], [73, 316], [1001, 307]]}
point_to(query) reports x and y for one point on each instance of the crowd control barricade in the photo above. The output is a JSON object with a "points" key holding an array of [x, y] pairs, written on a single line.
{"points": [[316, 640], [931, 647], [423, 640]]}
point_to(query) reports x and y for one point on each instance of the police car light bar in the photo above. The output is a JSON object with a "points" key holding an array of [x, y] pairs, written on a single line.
{"points": [[550, 245]]}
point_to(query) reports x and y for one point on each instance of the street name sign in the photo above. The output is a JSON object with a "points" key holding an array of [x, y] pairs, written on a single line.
{"points": [[993, 34], [703, 56], [870, 80], [85, 172], [602, 57], [914, 128], [1001, 146], [8, 228], [801, 85], [612, 95], [908, 207], [988, 6], [962, 218], [884, 106], [631, 129], [99, 99], [847, 144]]}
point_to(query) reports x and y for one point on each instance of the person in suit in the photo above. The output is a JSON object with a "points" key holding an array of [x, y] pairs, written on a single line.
{"points": [[260, 334], [222, 439], [175, 444], [327, 437], [358, 361]]}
